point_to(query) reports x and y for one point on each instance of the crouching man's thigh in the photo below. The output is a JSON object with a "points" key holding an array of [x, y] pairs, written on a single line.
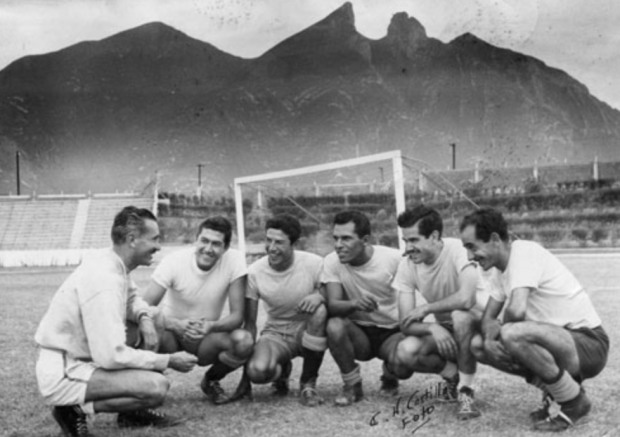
{"points": [[146, 386], [63, 380]]}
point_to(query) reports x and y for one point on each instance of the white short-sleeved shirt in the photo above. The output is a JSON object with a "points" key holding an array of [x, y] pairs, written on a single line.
{"points": [[557, 296], [373, 278], [192, 292], [439, 280], [281, 292]]}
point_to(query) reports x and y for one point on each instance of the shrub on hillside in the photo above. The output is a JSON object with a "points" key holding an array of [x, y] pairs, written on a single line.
{"points": [[390, 240], [550, 236], [599, 234], [580, 234]]}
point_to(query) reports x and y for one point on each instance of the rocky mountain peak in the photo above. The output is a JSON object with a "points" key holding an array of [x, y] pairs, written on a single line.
{"points": [[406, 30], [331, 45], [341, 19]]}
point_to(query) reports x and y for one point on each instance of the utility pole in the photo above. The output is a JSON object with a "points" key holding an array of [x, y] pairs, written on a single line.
{"points": [[453, 146], [17, 172], [199, 190]]}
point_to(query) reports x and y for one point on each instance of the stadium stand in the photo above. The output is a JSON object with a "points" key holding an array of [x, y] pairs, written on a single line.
{"points": [[100, 215], [57, 230]]}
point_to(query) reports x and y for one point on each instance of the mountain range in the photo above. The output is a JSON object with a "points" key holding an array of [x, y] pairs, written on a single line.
{"points": [[105, 116]]}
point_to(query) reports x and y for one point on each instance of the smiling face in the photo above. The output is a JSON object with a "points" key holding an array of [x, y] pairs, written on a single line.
{"points": [[421, 249], [210, 247], [279, 249], [350, 248], [486, 254], [146, 244]]}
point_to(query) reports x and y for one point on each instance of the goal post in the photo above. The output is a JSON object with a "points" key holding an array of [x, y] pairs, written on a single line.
{"points": [[394, 156]]}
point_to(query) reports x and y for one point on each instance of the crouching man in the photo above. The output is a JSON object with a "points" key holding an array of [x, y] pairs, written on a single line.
{"points": [[438, 268], [84, 365], [191, 287], [362, 305], [550, 332], [288, 281]]}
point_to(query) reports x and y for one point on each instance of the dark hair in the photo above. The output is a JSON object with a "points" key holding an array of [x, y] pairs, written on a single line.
{"points": [[219, 224], [428, 220], [129, 219], [486, 221], [361, 222], [287, 224]]}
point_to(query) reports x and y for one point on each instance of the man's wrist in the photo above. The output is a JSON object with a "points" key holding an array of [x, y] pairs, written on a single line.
{"points": [[209, 327], [144, 316]]}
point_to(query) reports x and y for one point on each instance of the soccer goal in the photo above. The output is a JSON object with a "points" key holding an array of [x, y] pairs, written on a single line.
{"points": [[373, 184]]}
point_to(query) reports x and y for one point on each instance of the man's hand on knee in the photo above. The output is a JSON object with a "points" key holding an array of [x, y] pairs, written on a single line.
{"points": [[445, 342], [182, 361], [310, 303], [495, 351]]}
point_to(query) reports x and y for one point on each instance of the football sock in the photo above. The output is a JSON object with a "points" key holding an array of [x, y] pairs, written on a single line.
{"points": [[353, 377], [314, 342], [449, 371], [466, 380], [312, 364], [218, 371], [387, 372], [564, 388], [231, 360]]}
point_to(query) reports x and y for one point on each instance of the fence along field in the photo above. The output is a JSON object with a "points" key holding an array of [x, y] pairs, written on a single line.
{"points": [[504, 400], [562, 206]]}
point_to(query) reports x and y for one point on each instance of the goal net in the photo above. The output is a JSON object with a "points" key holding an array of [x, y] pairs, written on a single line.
{"points": [[374, 185]]}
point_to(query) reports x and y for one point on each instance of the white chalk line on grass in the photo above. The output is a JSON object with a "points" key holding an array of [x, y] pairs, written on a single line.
{"points": [[588, 255]]}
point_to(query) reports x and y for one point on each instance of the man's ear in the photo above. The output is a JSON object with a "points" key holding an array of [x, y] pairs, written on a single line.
{"points": [[131, 239], [434, 235], [495, 238]]}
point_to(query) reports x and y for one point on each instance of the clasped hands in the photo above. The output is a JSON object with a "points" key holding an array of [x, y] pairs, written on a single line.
{"points": [[192, 331]]}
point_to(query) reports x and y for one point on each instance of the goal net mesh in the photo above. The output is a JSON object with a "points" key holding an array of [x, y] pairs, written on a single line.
{"points": [[315, 196]]}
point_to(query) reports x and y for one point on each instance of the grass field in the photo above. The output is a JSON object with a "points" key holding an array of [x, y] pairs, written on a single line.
{"points": [[504, 400]]}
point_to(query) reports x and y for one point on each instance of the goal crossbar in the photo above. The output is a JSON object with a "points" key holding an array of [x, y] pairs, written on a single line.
{"points": [[397, 165]]}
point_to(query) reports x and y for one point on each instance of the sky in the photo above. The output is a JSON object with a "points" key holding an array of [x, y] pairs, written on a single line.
{"points": [[581, 37]]}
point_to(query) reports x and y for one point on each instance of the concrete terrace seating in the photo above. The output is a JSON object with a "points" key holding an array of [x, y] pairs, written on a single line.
{"points": [[37, 224], [57, 230], [100, 216]]}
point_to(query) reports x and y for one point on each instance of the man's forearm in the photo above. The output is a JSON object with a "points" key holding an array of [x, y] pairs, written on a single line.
{"points": [[491, 328], [341, 308], [417, 329], [227, 324], [171, 323], [451, 303]]}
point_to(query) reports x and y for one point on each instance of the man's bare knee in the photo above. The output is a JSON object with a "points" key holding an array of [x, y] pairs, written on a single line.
{"points": [[336, 328], [512, 335], [406, 357], [242, 343], [154, 390], [319, 316], [477, 347], [259, 371]]}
